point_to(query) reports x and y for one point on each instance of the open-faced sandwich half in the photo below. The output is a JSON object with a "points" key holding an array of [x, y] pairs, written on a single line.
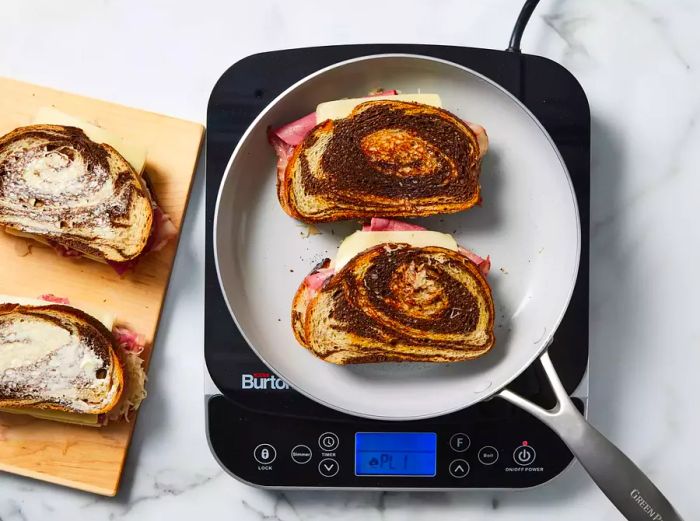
{"points": [[60, 363], [392, 155], [396, 293], [69, 184]]}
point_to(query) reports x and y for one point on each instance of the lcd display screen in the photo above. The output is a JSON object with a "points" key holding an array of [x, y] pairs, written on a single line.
{"points": [[395, 453]]}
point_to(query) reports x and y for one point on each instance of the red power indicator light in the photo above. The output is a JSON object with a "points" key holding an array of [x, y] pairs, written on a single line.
{"points": [[525, 444]]}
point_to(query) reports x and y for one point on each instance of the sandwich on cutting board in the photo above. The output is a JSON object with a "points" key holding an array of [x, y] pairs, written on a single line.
{"points": [[390, 155], [81, 190], [396, 292], [60, 363]]}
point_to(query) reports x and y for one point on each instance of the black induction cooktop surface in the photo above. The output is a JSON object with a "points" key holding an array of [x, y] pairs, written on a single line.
{"points": [[267, 434]]}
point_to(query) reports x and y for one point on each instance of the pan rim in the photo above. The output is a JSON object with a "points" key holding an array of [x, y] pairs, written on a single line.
{"points": [[547, 338]]}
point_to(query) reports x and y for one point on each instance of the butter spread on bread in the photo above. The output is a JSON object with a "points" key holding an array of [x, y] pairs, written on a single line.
{"points": [[62, 172], [56, 357], [57, 184], [60, 363]]}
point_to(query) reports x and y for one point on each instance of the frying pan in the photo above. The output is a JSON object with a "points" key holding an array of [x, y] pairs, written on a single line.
{"points": [[529, 224]]}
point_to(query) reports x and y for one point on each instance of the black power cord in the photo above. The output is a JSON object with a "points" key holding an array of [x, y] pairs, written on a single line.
{"points": [[520, 23]]}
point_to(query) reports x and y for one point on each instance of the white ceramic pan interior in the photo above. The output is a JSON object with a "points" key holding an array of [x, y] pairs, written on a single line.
{"points": [[528, 224]]}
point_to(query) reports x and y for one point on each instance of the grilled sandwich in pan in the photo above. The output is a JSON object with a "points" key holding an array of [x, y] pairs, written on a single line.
{"points": [[528, 223]]}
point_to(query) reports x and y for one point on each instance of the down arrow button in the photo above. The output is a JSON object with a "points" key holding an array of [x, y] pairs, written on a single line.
{"points": [[328, 467]]}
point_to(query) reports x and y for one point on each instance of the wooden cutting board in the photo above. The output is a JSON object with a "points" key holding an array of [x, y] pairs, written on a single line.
{"points": [[91, 458]]}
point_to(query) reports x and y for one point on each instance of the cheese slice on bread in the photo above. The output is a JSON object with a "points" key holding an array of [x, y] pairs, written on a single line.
{"points": [[361, 241], [133, 153], [342, 108]]}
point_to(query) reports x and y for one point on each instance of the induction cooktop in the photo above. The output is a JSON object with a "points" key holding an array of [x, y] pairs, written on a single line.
{"points": [[266, 434]]}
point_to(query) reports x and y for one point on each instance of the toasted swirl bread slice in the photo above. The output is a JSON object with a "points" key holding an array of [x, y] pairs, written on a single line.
{"points": [[62, 188], [398, 303], [386, 159], [57, 357]]}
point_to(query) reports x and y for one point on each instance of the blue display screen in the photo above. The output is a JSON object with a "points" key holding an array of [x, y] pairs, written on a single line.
{"points": [[395, 453]]}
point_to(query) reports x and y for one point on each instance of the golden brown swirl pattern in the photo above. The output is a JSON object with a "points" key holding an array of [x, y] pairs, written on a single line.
{"points": [[398, 302], [386, 159]]}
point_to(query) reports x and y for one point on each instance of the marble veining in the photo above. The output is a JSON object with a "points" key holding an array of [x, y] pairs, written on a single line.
{"points": [[637, 61]]}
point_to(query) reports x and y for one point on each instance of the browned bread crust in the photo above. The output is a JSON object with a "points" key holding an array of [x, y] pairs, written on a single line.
{"points": [[386, 159], [398, 303], [61, 187], [99, 396], [300, 304]]}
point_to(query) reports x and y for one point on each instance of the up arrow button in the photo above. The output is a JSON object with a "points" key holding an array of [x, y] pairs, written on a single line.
{"points": [[459, 468]]}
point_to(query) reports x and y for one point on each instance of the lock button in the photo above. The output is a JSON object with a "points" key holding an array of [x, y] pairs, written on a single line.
{"points": [[264, 454]]}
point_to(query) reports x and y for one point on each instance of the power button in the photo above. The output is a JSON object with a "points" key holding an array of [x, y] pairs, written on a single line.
{"points": [[524, 455]]}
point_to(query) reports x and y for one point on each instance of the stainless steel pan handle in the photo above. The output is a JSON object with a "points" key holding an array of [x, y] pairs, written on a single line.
{"points": [[618, 477]]}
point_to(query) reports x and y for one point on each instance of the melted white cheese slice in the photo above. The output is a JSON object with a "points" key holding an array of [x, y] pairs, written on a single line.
{"points": [[360, 241], [133, 153], [90, 420], [343, 107], [106, 318]]}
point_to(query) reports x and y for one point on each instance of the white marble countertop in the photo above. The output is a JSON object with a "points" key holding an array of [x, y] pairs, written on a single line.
{"points": [[637, 61]]}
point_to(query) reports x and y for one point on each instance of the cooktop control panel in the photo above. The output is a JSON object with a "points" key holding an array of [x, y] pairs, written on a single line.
{"points": [[449, 452]]}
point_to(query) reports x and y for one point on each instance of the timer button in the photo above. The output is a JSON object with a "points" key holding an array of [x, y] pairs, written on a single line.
{"points": [[460, 442], [328, 467], [328, 441], [488, 455], [264, 453], [524, 455], [301, 454], [459, 468]]}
